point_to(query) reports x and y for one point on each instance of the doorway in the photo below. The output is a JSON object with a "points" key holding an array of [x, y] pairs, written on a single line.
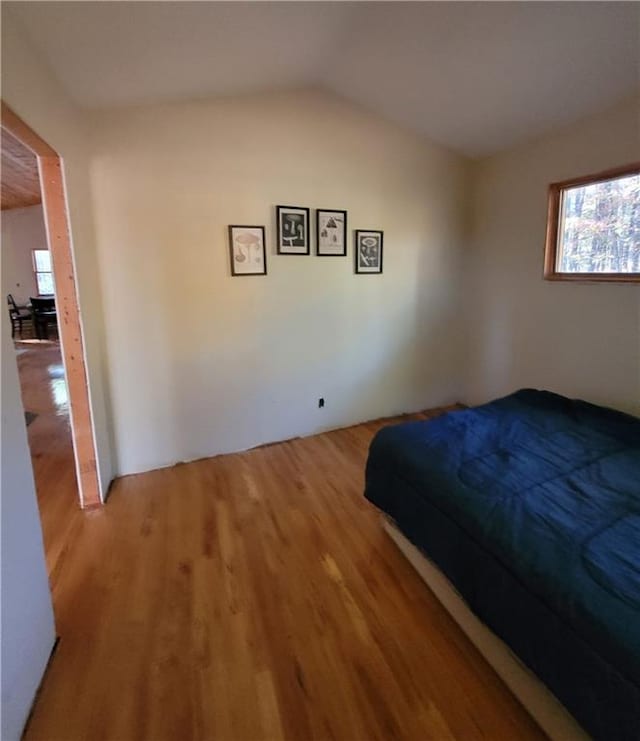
{"points": [[59, 366]]}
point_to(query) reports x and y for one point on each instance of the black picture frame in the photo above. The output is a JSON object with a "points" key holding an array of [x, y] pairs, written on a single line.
{"points": [[360, 267], [237, 272], [291, 249], [339, 217]]}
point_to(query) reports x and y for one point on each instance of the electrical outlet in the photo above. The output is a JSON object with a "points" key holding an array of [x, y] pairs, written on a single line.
{"points": [[320, 402]]}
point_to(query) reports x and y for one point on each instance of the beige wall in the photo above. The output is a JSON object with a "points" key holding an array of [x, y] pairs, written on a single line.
{"points": [[578, 340], [27, 618], [200, 363], [203, 363], [30, 90], [28, 631], [23, 231]]}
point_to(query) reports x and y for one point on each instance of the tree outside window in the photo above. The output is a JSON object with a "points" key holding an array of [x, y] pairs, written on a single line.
{"points": [[594, 227]]}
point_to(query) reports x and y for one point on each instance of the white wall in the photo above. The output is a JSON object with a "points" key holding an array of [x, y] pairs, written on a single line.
{"points": [[203, 363], [27, 626], [36, 96], [23, 230], [27, 619], [581, 340]]}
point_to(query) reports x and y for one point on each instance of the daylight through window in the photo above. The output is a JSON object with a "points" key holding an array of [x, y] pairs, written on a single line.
{"points": [[594, 227], [42, 268]]}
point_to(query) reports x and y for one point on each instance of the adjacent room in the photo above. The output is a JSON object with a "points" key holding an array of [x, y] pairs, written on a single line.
{"points": [[27, 280], [320, 370]]}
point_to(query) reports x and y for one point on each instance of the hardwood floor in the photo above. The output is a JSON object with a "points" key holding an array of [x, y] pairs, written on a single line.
{"points": [[44, 394], [255, 596]]}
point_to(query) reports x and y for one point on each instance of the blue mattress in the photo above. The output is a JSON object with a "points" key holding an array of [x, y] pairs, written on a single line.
{"points": [[531, 507]]}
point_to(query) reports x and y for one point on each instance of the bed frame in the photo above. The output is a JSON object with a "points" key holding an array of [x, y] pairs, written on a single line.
{"points": [[545, 708]]}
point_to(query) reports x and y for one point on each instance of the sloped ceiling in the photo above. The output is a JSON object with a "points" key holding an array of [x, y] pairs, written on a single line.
{"points": [[476, 77]]}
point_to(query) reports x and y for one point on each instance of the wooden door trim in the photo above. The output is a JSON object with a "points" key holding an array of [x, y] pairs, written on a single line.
{"points": [[56, 217]]}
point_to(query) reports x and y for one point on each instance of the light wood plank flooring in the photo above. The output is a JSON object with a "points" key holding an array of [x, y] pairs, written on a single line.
{"points": [[247, 597], [44, 393]]}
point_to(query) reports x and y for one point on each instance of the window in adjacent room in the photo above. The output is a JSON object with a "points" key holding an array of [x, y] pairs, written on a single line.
{"points": [[42, 268], [593, 228]]}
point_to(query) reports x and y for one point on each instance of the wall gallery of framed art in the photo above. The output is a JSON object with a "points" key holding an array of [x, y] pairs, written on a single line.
{"points": [[247, 244]]}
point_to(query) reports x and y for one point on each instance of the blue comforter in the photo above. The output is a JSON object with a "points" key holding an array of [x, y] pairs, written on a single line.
{"points": [[531, 506]]}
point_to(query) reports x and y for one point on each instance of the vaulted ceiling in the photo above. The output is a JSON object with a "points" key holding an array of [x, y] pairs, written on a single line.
{"points": [[19, 180], [477, 77]]}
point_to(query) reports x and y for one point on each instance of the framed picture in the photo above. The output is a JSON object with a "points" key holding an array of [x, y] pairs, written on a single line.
{"points": [[368, 251], [331, 233], [293, 230], [247, 250]]}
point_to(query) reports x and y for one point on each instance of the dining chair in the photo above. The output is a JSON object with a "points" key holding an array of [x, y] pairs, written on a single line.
{"points": [[17, 314]]}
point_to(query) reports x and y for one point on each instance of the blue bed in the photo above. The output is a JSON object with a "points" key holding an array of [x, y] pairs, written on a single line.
{"points": [[530, 505]]}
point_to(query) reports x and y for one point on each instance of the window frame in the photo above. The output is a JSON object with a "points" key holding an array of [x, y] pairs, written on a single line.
{"points": [[36, 271], [554, 209]]}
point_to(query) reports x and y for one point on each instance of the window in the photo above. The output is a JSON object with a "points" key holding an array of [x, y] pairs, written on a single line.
{"points": [[593, 227], [42, 268]]}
